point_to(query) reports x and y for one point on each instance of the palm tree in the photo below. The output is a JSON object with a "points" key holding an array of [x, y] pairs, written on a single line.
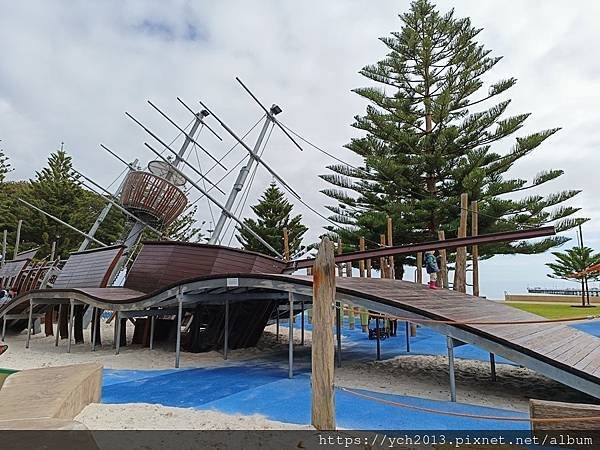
{"points": [[573, 264]]}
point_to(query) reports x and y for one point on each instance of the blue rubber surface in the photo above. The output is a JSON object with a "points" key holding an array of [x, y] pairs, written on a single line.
{"points": [[358, 346], [262, 387], [248, 389]]}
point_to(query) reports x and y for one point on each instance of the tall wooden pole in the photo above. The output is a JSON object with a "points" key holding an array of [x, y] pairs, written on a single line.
{"points": [[286, 245], [18, 238], [460, 269], [4, 244], [382, 262], [390, 242], [475, 249], [368, 267], [361, 263], [364, 314], [419, 278], [323, 402], [339, 252], [443, 279]]}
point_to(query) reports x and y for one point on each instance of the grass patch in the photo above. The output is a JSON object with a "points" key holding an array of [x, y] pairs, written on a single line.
{"points": [[553, 311]]}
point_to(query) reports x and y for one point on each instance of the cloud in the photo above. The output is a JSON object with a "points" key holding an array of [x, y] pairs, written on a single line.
{"points": [[70, 69]]}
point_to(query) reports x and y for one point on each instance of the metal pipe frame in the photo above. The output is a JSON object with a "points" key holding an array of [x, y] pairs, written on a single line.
{"points": [[450, 344], [178, 343], [57, 337], [493, 366], [151, 344], [29, 324], [94, 327], [378, 339], [291, 337], [71, 314], [117, 328], [338, 332], [407, 337], [303, 288], [226, 330], [302, 323]]}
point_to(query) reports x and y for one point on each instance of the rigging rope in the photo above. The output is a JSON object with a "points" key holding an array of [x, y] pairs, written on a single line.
{"points": [[422, 196], [244, 196]]}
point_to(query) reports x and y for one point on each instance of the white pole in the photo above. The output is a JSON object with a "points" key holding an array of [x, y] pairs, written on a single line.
{"points": [[239, 184], [18, 238]]}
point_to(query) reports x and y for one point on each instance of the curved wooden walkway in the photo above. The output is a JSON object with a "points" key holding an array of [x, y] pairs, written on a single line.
{"points": [[555, 350]]}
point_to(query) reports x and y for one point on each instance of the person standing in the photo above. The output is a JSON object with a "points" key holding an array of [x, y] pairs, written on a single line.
{"points": [[432, 268]]}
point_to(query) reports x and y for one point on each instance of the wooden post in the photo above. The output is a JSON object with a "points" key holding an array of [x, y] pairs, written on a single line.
{"points": [[323, 402], [4, 244], [443, 279], [475, 249], [382, 263], [286, 245], [361, 263], [339, 252], [18, 238], [390, 242], [419, 278], [460, 269]]}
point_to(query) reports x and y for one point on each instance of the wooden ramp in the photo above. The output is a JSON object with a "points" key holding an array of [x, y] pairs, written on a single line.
{"points": [[555, 350]]}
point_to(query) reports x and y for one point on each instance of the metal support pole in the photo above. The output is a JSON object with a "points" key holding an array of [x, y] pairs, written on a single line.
{"points": [[407, 337], [302, 323], [338, 332], [277, 325], [226, 330], [71, 314], [291, 338], [152, 318], [493, 366], [56, 337], [4, 327], [178, 343], [117, 328], [93, 328], [450, 343], [378, 340], [29, 324]]}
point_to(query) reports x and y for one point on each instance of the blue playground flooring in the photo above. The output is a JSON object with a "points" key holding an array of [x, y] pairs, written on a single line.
{"points": [[262, 387], [266, 390]]}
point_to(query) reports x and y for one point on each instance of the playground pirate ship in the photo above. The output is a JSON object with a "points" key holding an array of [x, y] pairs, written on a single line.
{"points": [[152, 198]]}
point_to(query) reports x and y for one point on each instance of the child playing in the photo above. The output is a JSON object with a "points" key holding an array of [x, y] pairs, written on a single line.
{"points": [[432, 268]]}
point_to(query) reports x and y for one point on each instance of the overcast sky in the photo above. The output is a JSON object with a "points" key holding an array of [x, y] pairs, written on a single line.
{"points": [[70, 69]]}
